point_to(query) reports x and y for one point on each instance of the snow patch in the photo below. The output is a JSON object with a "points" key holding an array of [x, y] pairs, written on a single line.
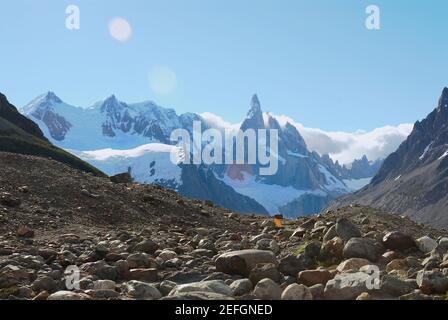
{"points": [[150, 163], [444, 155], [357, 184], [271, 197], [425, 151]]}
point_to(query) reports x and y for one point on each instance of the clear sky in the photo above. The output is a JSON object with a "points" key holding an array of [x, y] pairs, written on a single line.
{"points": [[311, 60]]}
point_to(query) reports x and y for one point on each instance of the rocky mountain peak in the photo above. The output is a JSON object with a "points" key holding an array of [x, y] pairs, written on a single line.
{"points": [[255, 107], [52, 98], [111, 104], [443, 101], [254, 119]]}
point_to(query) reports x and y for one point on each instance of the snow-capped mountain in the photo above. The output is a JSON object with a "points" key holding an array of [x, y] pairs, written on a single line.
{"points": [[107, 124], [357, 174], [118, 137]]}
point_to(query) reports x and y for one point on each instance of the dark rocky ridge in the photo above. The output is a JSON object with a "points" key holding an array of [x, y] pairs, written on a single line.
{"points": [[414, 179], [19, 134]]}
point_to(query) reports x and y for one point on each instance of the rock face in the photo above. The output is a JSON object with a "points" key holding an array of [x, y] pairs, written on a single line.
{"points": [[413, 179], [242, 262]]}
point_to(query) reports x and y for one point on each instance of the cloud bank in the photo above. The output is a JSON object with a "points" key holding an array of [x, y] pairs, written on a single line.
{"points": [[342, 146]]}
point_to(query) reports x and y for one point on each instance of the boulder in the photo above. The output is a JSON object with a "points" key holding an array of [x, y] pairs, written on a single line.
{"points": [[146, 246], [432, 282], [141, 290], [243, 261], [241, 287], [312, 277], [297, 292], [267, 289], [291, 265], [332, 250], [346, 286], [265, 270], [146, 275], [346, 230], [361, 248], [398, 241], [426, 244], [121, 178], [352, 264], [68, 295], [214, 286], [397, 287]]}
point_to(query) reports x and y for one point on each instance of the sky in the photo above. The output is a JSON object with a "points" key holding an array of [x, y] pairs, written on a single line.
{"points": [[313, 61]]}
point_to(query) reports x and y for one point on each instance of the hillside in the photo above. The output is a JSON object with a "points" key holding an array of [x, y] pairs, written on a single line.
{"points": [[19, 134], [132, 241], [414, 179]]}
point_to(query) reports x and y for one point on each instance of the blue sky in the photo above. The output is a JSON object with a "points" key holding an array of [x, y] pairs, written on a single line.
{"points": [[312, 60]]}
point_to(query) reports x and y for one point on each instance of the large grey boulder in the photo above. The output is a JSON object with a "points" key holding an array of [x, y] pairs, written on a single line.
{"points": [[361, 248], [243, 261], [346, 286], [214, 286], [267, 289]]}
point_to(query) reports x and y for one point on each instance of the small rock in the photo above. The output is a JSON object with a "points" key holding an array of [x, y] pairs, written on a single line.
{"points": [[9, 200], [214, 286], [353, 264], [44, 284], [146, 246], [397, 264], [426, 244], [297, 292], [267, 289], [146, 275], [264, 270], [243, 261], [397, 287], [142, 291], [104, 285], [346, 286], [332, 250], [241, 287], [361, 248], [432, 282], [291, 265], [398, 241], [25, 232], [166, 255], [346, 230], [312, 277], [68, 295]]}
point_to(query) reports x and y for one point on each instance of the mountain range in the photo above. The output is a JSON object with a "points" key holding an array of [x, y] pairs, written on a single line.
{"points": [[414, 179], [116, 137]]}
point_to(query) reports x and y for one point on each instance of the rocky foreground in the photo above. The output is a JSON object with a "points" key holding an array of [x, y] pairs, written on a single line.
{"points": [[67, 235]]}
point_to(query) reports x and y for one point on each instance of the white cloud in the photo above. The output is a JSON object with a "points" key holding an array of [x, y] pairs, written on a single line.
{"points": [[342, 146], [347, 146], [120, 29], [219, 123]]}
